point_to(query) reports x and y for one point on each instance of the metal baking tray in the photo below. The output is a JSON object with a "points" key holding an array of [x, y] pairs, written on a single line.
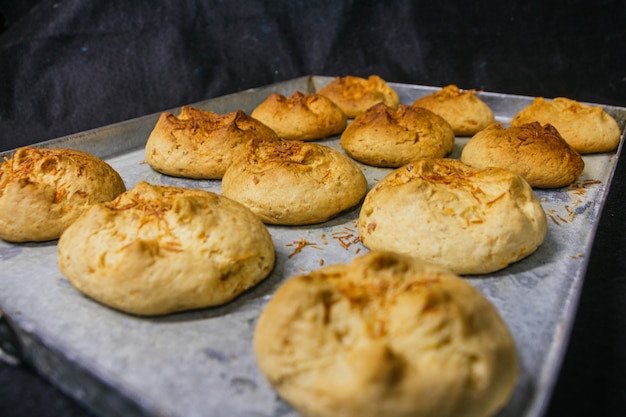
{"points": [[201, 362]]}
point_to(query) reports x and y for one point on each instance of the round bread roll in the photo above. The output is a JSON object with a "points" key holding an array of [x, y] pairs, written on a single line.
{"points": [[539, 154], [293, 182], [386, 335], [157, 250], [42, 191], [472, 221], [301, 116], [200, 144], [386, 137], [354, 95], [587, 129], [466, 113]]}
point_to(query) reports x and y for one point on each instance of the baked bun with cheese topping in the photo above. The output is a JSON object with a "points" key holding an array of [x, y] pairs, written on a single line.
{"points": [[537, 153], [201, 144], [156, 250], [587, 129], [42, 191], [294, 182], [354, 95], [301, 116], [386, 137], [466, 113], [470, 220], [386, 335]]}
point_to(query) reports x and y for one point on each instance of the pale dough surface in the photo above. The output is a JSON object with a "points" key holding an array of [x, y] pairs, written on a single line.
{"points": [[386, 335], [156, 250], [472, 221], [42, 191]]}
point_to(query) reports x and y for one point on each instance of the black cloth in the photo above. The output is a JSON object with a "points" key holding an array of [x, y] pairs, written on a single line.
{"points": [[68, 66]]}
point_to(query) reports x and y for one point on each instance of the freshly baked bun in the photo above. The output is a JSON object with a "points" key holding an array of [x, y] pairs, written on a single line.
{"points": [[386, 137], [539, 154], [354, 95], [301, 116], [470, 220], [586, 128], [200, 144], [293, 182], [156, 250], [42, 191], [386, 335], [466, 113]]}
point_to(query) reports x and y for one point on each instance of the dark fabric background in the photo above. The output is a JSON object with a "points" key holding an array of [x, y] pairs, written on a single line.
{"points": [[70, 65]]}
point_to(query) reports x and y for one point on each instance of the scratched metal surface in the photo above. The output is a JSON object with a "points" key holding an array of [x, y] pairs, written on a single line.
{"points": [[201, 362]]}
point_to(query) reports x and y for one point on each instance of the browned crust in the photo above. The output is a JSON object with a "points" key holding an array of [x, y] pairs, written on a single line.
{"points": [[354, 94], [387, 137], [301, 116], [466, 113], [201, 144], [537, 153]]}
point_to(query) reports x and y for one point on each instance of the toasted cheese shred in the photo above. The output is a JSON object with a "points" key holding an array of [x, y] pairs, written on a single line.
{"points": [[299, 245]]}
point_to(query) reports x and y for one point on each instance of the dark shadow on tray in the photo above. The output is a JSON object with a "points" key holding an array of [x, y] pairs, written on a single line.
{"points": [[10, 250], [350, 215]]}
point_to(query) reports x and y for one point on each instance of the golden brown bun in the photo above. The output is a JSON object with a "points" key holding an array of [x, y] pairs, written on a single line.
{"points": [[539, 154], [301, 116], [42, 191], [354, 95], [201, 144], [157, 250], [386, 335], [293, 182], [587, 129], [386, 137], [472, 221], [466, 113]]}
